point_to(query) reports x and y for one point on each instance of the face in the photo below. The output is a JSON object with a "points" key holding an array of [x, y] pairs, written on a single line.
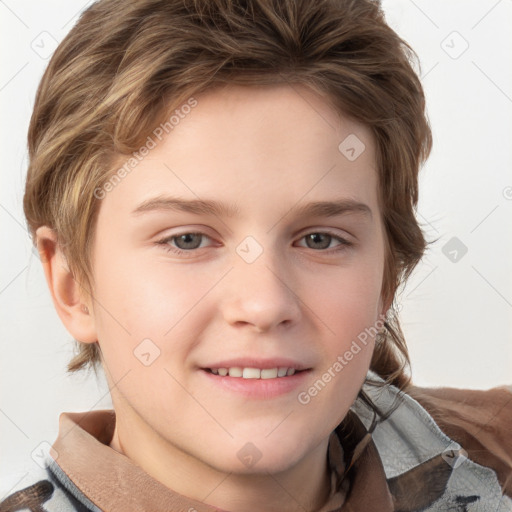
{"points": [[264, 280]]}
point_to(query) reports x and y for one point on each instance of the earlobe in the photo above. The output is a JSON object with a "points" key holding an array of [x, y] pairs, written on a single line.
{"points": [[70, 298]]}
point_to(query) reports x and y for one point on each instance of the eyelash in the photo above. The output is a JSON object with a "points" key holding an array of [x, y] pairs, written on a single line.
{"points": [[344, 244]]}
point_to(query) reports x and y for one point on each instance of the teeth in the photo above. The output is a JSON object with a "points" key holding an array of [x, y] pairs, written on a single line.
{"points": [[269, 373], [281, 372], [254, 373], [250, 373], [236, 372]]}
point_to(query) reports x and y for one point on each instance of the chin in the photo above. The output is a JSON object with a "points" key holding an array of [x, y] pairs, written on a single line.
{"points": [[261, 455]]}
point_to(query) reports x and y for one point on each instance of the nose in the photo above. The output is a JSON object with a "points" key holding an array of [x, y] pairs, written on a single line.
{"points": [[261, 295]]}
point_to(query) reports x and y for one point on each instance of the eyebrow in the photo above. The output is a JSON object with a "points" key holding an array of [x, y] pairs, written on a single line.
{"points": [[218, 209]]}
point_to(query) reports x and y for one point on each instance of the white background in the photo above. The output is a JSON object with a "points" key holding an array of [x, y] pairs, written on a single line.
{"points": [[457, 316]]}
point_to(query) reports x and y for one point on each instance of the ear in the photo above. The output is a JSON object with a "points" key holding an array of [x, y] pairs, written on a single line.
{"points": [[73, 304]]}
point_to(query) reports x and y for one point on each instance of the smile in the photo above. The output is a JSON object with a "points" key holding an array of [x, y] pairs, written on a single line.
{"points": [[253, 373]]}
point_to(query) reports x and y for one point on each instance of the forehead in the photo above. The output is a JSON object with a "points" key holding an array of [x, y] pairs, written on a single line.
{"points": [[272, 144], [274, 116]]}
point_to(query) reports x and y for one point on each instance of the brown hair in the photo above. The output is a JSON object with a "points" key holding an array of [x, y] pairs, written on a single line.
{"points": [[126, 65]]}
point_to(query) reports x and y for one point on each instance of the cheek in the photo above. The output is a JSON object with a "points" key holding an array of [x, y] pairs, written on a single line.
{"points": [[348, 310], [156, 302], [348, 301]]}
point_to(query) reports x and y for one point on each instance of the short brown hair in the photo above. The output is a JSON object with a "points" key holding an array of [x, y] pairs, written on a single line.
{"points": [[126, 65]]}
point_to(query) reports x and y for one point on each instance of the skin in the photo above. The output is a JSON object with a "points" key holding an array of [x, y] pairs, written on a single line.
{"points": [[267, 149]]}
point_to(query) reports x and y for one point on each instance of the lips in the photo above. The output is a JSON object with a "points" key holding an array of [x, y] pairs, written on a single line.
{"points": [[255, 382]]}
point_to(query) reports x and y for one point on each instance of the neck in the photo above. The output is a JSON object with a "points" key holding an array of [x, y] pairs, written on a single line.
{"points": [[304, 487]]}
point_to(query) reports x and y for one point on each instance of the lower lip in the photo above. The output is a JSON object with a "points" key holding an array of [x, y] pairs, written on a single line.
{"points": [[259, 388]]}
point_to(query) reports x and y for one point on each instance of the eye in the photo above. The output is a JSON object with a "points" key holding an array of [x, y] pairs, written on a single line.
{"points": [[322, 240], [186, 242]]}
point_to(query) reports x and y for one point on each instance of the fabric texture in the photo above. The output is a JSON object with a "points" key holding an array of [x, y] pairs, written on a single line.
{"points": [[437, 449]]}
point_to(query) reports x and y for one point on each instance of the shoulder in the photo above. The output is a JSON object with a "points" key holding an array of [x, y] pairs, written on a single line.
{"points": [[32, 491], [46, 488], [479, 420]]}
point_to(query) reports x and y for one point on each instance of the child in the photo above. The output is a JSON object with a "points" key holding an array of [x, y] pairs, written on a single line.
{"points": [[252, 370]]}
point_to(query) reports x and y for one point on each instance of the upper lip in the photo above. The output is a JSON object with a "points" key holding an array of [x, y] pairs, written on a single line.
{"points": [[252, 362]]}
